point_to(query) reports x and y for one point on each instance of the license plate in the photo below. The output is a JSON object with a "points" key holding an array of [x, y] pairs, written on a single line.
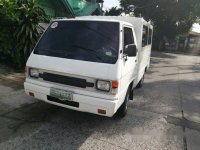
{"points": [[61, 94]]}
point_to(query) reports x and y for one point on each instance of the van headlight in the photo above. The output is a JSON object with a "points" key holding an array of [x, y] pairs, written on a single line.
{"points": [[34, 73], [103, 85]]}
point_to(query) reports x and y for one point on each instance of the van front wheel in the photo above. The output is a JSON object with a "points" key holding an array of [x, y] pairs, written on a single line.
{"points": [[122, 111]]}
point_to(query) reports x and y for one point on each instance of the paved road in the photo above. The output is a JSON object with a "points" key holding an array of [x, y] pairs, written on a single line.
{"points": [[165, 114]]}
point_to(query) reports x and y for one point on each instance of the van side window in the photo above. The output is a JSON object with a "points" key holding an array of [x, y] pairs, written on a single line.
{"points": [[150, 36], [145, 36], [128, 36]]}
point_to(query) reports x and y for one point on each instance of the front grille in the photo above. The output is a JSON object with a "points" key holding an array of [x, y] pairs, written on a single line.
{"points": [[69, 103], [82, 83]]}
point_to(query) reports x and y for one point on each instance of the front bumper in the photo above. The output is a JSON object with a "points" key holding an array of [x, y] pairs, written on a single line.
{"points": [[86, 103]]}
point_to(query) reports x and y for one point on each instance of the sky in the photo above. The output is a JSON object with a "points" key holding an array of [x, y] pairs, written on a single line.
{"points": [[110, 3], [196, 28]]}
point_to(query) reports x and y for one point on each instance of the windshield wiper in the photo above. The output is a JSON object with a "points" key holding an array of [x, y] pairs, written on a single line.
{"points": [[88, 50]]}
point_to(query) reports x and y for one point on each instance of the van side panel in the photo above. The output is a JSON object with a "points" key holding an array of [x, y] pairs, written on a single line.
{"points": [[145, 52]]}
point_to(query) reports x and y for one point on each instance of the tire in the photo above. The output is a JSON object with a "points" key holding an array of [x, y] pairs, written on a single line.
{"points": [[131, 95], [122, 111], [140, 84]]}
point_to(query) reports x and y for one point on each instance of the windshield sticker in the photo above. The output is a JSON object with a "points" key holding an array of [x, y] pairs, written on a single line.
{"points": [[54, 25]]}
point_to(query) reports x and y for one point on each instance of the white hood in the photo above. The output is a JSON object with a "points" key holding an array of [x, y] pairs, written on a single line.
{"points": [[75, 67]]}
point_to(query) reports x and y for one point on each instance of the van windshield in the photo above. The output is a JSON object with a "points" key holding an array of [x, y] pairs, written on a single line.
{"points": [[93, 41]]}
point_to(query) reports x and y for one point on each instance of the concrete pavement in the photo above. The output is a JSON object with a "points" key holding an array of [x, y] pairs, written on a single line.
{"points": [[165, 114]]}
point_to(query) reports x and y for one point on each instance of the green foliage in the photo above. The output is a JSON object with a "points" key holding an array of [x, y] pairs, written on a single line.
{"points": [[27, 32], [114, 11], [171, 18], [19, 30], [8, 20]]}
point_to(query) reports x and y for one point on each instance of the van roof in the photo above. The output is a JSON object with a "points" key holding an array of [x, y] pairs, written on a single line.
{"points": [[109, 19]]}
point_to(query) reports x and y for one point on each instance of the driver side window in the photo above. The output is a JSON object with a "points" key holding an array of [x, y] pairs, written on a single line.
{"points": [[128, 36]]}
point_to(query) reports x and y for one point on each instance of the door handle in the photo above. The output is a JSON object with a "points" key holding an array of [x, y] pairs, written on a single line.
{"points": [[136, 60]]}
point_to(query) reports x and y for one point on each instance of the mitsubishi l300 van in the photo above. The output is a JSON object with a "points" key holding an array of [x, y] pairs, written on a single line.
{"points": [[90, 64]]}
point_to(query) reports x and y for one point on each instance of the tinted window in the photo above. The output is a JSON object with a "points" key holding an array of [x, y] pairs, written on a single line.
{"points": [[81, 40], [145, 36], [128, 36]]}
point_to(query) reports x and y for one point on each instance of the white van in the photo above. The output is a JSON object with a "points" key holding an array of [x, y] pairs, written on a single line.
{"points": [[90, 64]]}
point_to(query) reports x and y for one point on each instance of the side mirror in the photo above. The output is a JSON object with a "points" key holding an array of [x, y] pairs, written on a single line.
{"points": [[131, 50]]}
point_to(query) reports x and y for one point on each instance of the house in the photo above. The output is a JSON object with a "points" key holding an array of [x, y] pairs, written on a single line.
{"points": [[188, 44], [70, 8], [193, 41]]}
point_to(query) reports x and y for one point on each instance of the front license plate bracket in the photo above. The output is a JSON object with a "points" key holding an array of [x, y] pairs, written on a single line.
{"points": [[61, 94]]}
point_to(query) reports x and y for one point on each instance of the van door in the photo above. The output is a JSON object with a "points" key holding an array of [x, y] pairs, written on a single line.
{"points": [[129, 66]]}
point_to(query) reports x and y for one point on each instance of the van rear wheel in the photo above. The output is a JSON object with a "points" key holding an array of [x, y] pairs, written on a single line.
{"points": [[140, 84], [122, 111]]}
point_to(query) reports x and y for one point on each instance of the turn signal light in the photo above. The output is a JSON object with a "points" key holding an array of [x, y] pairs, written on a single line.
{"points": [[101, 111], [31, 94], [115, 84]]}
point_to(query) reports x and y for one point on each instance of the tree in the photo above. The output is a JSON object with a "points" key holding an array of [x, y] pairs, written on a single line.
{"points": [[114, 11], [171, 18], [19, 30], [8, 21], [27, 31]]}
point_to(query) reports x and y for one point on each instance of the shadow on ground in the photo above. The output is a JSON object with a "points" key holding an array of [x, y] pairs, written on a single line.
{"points": [[40, 124], [162, 55]]}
